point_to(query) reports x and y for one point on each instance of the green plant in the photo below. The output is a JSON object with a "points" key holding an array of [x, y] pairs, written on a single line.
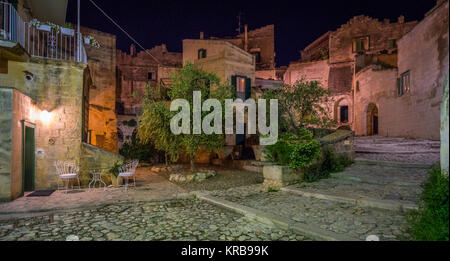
{"points": [[136, 149], [115, 169], [301, 105], [329, 163], [431, 221], [294, 151]]}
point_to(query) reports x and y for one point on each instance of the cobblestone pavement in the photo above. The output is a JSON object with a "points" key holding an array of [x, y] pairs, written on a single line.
{"points": [[340, 218], [182, 220], [150, 187], [373, 181], [398, 150]]}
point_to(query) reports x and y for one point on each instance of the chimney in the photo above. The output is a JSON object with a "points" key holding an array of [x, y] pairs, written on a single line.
{"points": [[401, 19], [133, 50], [202, 35], [246, 38]]}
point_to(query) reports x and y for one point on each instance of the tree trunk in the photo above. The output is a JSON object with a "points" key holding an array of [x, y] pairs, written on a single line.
{"points": [[192, 164], [166, 158]]}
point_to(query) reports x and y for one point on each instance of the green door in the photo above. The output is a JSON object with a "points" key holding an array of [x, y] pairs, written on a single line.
{"points": [[28, 160]]}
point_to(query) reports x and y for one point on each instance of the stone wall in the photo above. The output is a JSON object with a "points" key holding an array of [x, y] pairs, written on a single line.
{"points": [[310, 71], [379, 34], [341, 142], [94, 158], [56, 87], [378, 86], [424, 53], [6, 108], [102, 95], [137, 70]]}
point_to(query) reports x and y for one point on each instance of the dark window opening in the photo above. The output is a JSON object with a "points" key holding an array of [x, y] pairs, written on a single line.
{"points": [[360, 44], [404, 83], [344, 114], [357, 86], [150, 76], [257, 57], [392, 43], [201, 54]]}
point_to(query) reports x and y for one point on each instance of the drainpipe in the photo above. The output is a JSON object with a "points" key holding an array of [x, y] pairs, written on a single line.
{"points": [[246, 38], [78, 31]]}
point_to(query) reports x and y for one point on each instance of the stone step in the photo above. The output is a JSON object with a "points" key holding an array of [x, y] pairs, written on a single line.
{"points": [[309, 230], [357, 200], [392, 164]]}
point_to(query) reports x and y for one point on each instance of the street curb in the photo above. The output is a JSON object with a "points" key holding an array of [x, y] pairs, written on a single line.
{"points": [[270, 219], [361, 201]]}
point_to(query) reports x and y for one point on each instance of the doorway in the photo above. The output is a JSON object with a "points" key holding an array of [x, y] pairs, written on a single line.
{"points": [[28, 157], [372, 120]]}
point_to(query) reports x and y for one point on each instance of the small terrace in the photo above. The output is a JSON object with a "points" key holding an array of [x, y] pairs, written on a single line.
{"points": [[20, 39]]}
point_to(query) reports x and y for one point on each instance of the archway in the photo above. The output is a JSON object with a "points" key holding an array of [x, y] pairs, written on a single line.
{"points": [[372, 120]]}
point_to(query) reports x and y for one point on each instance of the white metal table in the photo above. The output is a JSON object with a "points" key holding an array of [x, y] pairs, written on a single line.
{"points": [[97, 177]]}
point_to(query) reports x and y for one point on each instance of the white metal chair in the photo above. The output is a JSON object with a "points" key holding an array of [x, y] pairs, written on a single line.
{"points": [[66, 172], [126, 171]]}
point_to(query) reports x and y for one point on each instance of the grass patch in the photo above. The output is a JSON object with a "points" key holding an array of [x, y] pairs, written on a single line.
{"points": [[431, 221]]}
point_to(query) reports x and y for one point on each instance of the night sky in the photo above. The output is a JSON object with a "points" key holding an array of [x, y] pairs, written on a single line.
{"points": [[297, 23]]}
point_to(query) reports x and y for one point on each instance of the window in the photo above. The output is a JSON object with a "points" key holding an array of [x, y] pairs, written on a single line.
{"points": [[357, 86], [404, 83], [201, 54], [240, 84], [392, 43], [150, 76], [344, 114], [361, 44], [257, 57]]}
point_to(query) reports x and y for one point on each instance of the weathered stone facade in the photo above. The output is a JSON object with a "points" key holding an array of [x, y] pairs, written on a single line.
{"points": [[102, 94], [363, 63]]}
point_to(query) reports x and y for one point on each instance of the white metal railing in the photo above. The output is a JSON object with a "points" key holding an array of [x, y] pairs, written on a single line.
{"points": [[41, 40]]}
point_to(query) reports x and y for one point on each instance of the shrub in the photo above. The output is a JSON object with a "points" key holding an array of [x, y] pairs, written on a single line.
{"points": [[137, 150], [294, 151], [431, 221], [329, 163]]}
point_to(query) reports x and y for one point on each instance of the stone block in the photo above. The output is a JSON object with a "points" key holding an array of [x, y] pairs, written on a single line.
{"points": [[276, 177]]}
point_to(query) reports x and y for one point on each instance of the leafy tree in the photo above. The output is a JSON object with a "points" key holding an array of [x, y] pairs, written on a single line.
{"points": [[189, 79], [301, 105], [154, 126]]}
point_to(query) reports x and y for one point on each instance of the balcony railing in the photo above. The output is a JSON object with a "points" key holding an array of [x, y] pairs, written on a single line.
{"points": [[41, 40]]}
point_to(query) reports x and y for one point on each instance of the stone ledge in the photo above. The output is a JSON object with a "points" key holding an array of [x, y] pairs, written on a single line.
{"points": [[392, 164], [276, 177], [360, 201], [271, 219]]}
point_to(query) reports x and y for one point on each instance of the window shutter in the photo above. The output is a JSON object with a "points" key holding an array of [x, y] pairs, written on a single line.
{"points": [[234, 83], [367, 43], [248, 88], [354, 46]]}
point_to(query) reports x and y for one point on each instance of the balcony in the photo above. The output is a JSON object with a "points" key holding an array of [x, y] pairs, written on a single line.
{"points": [[38, 40]]}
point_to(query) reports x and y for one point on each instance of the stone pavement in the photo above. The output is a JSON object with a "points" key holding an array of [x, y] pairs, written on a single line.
{"points": [[183, 220], [150, 186], [365, 199]]}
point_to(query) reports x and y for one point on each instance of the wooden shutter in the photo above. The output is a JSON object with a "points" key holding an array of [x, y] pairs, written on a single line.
{"points": [[354, 45], [234, 83], [248, 88], [366, 43]]}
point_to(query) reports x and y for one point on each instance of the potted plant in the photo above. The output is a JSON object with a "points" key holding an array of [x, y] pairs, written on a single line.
{"points": [[114, 173], [67, 30], [91, 41]]}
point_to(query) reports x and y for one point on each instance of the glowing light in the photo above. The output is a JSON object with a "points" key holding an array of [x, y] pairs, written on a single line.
{"points": [[45, 116]]}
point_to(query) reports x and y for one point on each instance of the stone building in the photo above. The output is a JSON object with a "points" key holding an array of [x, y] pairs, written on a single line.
{"points": [[44, 91], [358, 63], [102, 94], [137, 71], [232, 65]]}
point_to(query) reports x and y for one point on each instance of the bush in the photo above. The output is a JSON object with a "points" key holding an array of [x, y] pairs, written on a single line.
{"points": [[329, 163], [137, 150], [294, 151], [431, 221]]}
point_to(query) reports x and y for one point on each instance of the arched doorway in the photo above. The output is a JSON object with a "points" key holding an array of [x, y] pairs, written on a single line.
{"points": [[372, 120]]}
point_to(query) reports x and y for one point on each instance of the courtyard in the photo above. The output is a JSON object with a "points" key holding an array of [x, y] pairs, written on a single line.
{"points": [[371, 197]]}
